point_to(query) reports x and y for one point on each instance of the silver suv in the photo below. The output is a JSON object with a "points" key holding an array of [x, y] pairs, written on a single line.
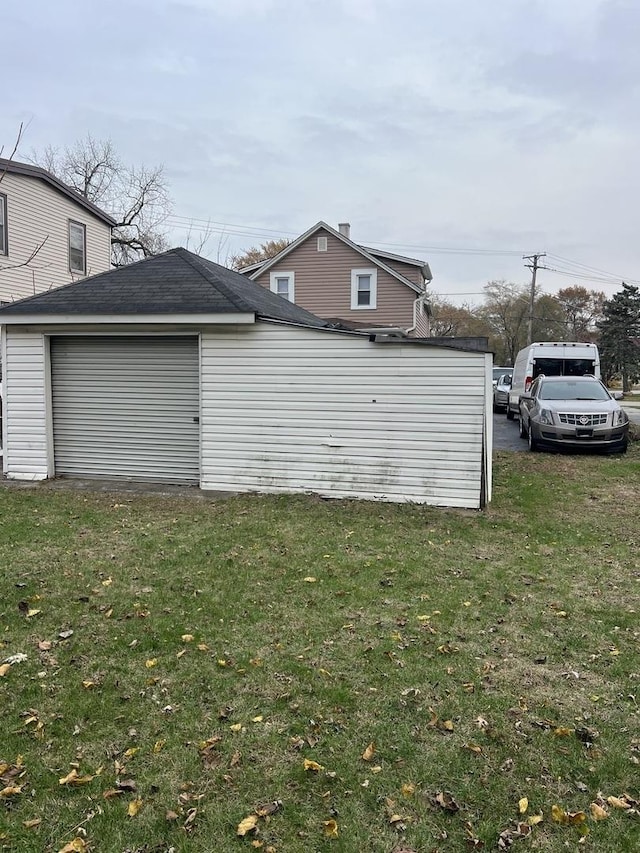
{"points": [[572, 412]]}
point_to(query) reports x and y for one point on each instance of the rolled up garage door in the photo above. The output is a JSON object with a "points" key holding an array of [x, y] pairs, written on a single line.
{"points": [[126, 407]]}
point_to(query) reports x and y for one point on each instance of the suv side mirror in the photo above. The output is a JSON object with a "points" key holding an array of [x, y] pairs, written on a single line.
{"points": [[617, 395]]}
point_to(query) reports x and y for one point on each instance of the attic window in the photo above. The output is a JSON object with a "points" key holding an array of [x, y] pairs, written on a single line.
{"points": [[322, 244], [364, 287]]}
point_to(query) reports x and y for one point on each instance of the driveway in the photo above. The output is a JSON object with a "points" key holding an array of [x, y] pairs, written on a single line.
{"points": [[505, 434]]}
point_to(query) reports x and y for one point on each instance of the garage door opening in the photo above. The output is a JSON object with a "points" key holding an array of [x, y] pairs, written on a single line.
{"points": [[126, 407]]}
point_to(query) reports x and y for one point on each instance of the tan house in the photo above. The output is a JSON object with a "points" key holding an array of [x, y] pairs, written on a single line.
{"points": [[49, 235], [356, 287]]}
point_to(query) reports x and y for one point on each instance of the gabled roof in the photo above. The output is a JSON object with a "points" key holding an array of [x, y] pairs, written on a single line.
{"points": [[371, 255], [14, 168], [174, 283]]}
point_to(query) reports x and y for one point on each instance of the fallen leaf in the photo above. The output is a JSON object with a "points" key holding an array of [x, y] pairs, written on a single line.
{"points": [[64, 635], [134, 807], [111, 793], [330, 828], [78, 845], [249, 824], [313, 766], [45, 645], [266, 809], [368, 754], [310, 579], [151, 663], [535, 819], [171, 815], [446, 801], [73, 778], [618, 802], [10, 791], [158, 746], [597, 812], [408, 789], [187, 638], [31, 613], [523, 805], [257, 719], [31, 824], [4, 669]]}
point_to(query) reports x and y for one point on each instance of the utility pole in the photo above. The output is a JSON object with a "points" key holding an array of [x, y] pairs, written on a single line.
{"points": [[534, 267]]}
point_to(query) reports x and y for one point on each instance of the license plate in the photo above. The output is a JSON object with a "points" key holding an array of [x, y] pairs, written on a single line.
{"points": [[584, 433]]}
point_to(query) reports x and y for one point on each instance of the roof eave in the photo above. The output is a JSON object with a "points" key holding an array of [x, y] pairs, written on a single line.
{"points": [[173, 319], [294, 245]]}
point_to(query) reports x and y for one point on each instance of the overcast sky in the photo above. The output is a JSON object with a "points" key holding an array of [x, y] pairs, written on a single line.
{"points": [[503, 127]]}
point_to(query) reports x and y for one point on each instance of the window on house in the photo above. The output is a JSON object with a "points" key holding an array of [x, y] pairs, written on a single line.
{"points": [[322, 244], [282, 283], [4, 250], [77, 247], [364, 286]]}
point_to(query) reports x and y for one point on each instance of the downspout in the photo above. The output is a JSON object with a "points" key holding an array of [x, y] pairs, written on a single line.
{"points": [[419, 305]]}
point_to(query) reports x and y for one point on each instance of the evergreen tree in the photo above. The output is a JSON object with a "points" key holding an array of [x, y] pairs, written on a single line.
{"points": [[619, 342]]}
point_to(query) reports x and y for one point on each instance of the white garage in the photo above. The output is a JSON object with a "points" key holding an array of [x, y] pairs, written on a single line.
{"points": [[177, 370]]}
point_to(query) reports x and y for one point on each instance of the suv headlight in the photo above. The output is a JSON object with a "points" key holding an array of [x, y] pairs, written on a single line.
{"points": [[546, 417], [620, 417]]}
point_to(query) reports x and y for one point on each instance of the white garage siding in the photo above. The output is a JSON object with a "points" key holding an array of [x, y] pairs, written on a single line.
{"points": [[25, 449], [294, 409]]}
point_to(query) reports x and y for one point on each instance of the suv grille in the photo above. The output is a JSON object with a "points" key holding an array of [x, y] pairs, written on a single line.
{"points": [[583, 420]]}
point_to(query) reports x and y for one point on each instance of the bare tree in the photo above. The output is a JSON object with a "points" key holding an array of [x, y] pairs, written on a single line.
{"points": [[258, 253], [135, 196]]}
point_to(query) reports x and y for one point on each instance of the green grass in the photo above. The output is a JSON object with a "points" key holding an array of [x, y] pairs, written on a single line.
{"points": [[476, 651]]}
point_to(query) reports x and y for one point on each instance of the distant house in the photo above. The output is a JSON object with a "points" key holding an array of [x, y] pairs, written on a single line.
{"points": [[353, 286], [49, 234]]}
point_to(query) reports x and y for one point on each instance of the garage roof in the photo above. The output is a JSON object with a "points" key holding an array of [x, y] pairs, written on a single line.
{"points": [[173, 283]]}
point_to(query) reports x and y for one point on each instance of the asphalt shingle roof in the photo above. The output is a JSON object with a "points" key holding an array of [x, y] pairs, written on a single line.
{"points": [[175, 282]]}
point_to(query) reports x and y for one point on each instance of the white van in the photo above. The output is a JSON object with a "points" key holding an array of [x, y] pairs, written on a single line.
{"points": [[553, 358]]}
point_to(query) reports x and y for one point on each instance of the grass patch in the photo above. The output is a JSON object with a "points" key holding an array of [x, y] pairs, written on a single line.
{"points": [[187, 656]]}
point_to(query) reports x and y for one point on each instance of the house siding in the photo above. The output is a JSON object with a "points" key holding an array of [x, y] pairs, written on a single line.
{"points": [[25, 439], [35, 213], [323, 284], [289, 409]]}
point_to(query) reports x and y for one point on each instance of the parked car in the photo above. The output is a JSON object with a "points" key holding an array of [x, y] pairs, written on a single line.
{"points": [[500, 371], [501, 392], [572, 412]]}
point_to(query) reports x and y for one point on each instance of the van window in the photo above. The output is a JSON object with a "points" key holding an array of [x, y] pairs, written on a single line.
{"points": [[563, 366]]}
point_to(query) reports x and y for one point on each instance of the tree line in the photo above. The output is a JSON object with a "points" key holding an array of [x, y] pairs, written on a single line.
{"points": [[575, 313]]}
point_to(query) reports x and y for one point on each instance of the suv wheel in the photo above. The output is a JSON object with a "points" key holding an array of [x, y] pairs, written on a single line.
{"points": [[533, 444], [510, 414]]}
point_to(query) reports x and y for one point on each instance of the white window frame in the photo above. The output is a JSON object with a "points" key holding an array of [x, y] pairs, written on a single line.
{"points": [[273, 284], [373, 290], [83, 228], [4, 242], [322, 243]]}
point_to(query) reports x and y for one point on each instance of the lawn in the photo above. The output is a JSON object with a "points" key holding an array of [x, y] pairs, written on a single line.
{"points": [[324, 676]]}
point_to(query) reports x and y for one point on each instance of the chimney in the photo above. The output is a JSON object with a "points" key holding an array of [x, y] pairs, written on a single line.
{"points": [[345, 229]]}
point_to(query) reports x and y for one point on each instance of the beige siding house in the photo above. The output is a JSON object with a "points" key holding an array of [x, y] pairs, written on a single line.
{"points": [[357, 287], [49, 235]]}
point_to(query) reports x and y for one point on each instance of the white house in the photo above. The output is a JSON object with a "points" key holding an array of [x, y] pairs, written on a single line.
{"points": [[49, 234], [178, 370]]}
